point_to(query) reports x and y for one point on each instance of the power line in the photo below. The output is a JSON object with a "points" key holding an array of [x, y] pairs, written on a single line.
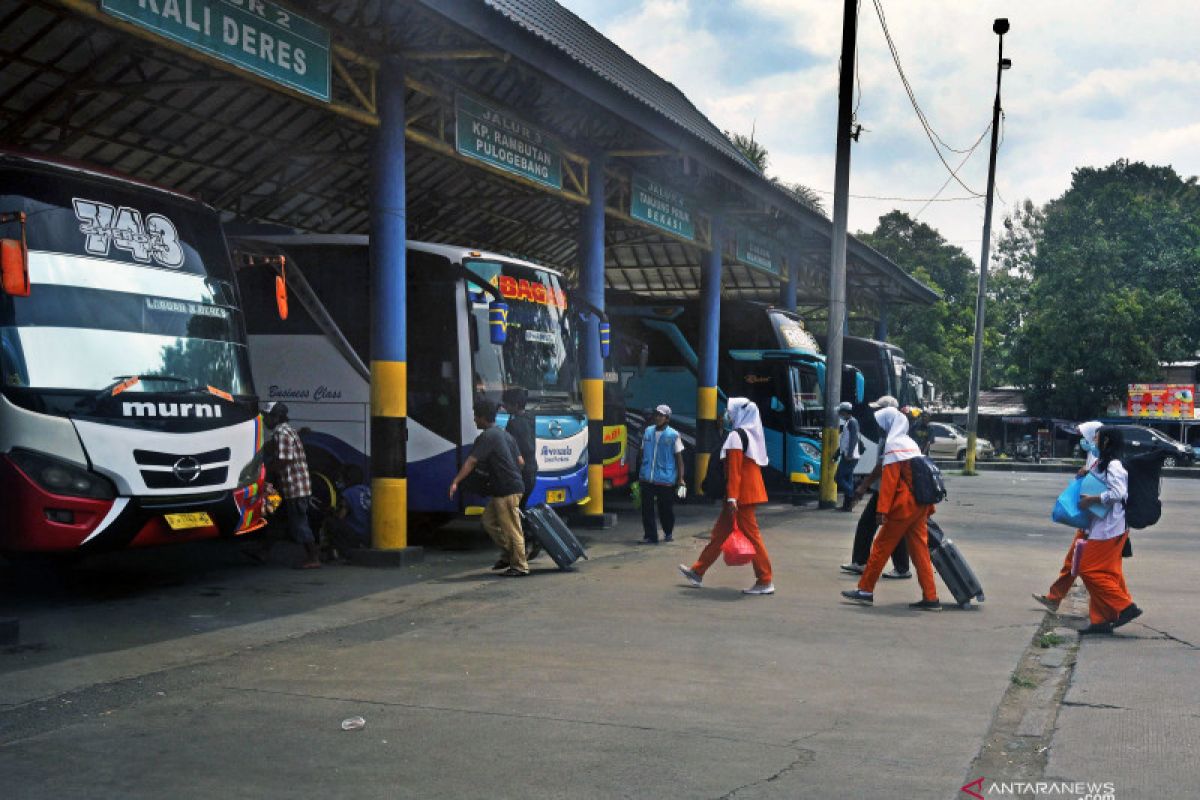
{"points": [[932, 135], [934, 199], [953, 174]]}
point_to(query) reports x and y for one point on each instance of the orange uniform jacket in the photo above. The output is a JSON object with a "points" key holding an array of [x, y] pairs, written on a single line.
{"points": [[743, 479], [895, 492]]}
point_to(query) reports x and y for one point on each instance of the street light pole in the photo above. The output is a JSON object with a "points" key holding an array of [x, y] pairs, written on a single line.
{"points": [[999, 27]]}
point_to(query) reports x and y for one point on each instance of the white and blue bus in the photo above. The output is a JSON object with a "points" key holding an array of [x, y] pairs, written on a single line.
{"points": [[316, 361]]}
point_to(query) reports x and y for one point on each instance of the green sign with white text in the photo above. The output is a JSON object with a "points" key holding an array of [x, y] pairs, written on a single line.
{"points": [[498, 138], [255, 35], [755, 251], [662, 207]]}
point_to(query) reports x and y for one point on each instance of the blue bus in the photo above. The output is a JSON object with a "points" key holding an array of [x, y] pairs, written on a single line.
{"points": [[316, 359], [766, 354]]}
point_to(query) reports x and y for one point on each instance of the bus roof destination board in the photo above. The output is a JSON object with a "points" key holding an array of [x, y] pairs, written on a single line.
{"points": [[506, 142], [255, 35], [755, 251], [662, 207]]}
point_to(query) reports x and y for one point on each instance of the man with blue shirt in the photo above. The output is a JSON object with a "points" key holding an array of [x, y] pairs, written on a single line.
{"points": [[661, 475]]}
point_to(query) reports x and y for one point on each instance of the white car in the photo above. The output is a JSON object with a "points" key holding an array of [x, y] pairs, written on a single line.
{"points": [[950, 441]]}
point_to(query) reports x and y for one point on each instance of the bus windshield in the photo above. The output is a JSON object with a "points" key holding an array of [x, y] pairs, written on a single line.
{"points": [[540, 353], [125, 282]]}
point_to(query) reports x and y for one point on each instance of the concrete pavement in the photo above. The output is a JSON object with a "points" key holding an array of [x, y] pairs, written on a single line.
{"points": [[616, 681]]}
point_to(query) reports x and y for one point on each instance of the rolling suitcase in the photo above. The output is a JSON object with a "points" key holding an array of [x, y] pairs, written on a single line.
{"points": [[955, 571], [546, 528]]}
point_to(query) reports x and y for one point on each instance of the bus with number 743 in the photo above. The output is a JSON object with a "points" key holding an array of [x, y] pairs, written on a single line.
{"points": [[128, 416]]}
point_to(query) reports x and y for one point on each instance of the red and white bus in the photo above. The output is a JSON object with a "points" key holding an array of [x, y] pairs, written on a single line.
{"points": [[127, 412]]}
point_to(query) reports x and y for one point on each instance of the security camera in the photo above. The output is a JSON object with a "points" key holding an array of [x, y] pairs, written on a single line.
{"points": [[1000, 26]]}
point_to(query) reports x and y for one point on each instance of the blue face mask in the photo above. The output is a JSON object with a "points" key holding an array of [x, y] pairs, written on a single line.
{"points": [[1090, 447]]}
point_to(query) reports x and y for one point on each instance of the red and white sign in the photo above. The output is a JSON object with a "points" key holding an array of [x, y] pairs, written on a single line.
{"points": [[1161, 400]]}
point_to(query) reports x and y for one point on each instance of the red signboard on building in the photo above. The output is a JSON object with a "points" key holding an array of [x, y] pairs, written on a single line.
{"points": [[1161, 400]]}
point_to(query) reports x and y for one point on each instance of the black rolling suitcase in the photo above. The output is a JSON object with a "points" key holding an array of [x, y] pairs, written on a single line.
{"points": [[955, 571], [545, 527]]}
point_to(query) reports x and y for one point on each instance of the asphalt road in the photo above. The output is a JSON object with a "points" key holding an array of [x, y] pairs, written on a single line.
{"points": [[189, 672]]}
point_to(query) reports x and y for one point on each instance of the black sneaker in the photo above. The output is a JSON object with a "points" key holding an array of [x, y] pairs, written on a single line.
{"points": [[1097, 629], [513, 572], [1128, 615], [859, 596], [927, 605], [501, 564], [668, 538], [648, 541]]}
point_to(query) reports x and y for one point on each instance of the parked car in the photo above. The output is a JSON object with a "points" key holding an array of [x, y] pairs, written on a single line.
{"points": [[1140, 439], [950, 441]]}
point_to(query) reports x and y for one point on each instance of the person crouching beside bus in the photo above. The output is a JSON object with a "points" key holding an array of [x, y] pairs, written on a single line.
{"points": [[744, 489], [661, 475], [495, 452], [901, 516], [1109, 603], [288, 467]]}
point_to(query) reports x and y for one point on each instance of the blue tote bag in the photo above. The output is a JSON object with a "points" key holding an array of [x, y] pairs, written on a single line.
{"points": [[1066, 508]]}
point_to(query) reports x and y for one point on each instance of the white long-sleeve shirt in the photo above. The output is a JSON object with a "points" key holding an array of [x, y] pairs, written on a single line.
{"points": [[1111, 525]]}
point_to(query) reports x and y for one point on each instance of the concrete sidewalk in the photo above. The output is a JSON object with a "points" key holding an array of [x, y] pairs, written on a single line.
{"points": [[615, 681]]}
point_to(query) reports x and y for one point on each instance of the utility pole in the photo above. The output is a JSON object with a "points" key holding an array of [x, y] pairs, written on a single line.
{"points": [[999, 27], [837, 259]]}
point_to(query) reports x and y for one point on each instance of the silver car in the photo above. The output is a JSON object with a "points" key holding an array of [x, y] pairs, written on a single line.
{"points": [[950, 441]]}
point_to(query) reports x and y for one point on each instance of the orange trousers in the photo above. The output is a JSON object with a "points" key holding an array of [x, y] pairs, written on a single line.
{"points": [[1101, 573], [916, 535], [1062, 585], [748, 523]]}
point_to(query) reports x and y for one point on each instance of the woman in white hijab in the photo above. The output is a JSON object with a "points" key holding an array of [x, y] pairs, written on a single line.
{"points": [[901, 516], [1062, 584], [744, 489]]}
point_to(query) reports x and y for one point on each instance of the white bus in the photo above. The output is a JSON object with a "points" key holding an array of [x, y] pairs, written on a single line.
{"points": [[127, 412], [316, 361]]}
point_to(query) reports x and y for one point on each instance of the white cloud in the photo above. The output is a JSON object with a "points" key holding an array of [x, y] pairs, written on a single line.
{"points": [[1091, 82]]}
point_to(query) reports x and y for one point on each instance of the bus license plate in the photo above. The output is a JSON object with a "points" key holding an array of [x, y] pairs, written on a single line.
{"points": [[181, 522], [556, 495]]}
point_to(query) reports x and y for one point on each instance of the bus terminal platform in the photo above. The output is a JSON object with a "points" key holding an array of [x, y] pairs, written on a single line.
{"points": [[189, 672]]}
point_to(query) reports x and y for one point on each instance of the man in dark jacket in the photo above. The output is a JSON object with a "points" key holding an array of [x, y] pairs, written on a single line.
{"points": [[497, 454]]}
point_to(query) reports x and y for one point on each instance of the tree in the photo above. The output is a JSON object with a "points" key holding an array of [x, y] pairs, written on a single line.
{"points": [[937, 340], [757, 155], [1115, 281]]}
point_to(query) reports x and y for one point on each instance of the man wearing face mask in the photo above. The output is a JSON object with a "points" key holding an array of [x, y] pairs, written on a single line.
{"points": [[1064, 581]]}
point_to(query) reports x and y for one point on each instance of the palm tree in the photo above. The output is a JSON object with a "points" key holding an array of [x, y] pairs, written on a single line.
{"points": [[757, 155]]}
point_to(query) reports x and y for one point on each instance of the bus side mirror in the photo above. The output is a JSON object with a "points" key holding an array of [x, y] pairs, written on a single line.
{"points": [[605, 339], [281, 298], [498, 322], [14, 264]]}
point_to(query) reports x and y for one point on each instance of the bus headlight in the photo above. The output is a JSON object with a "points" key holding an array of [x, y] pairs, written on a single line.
{"points": [[62, 477], [582, 461], [810, 451]]}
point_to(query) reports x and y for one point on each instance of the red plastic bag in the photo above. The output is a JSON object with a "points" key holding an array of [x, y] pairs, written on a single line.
{"points": [[737, 549]]}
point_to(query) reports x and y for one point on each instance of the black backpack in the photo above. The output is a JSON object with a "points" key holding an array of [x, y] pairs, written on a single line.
{"points": [[714, 479], [1143, 508], [928, 488]]}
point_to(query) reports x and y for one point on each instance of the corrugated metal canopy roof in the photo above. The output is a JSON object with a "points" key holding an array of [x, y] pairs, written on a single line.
{"points": [[73, 86]]}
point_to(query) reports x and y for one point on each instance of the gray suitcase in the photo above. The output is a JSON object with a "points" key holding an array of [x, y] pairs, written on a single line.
{"points": [[544, 526], [955, 571]]}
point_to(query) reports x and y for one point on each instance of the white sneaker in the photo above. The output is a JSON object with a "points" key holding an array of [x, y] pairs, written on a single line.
{"points": [[756, 589], [897, 576], [694, 578], [853, 569]]}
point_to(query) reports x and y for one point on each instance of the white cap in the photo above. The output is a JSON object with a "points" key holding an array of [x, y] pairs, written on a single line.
{"points": [[887, 401], [845, 407], [663, 409]]}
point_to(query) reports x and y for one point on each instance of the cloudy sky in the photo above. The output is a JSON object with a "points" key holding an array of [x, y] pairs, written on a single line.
{"points": [[1091, 82]]}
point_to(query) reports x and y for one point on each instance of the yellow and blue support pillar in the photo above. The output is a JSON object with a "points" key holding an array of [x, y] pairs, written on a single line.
{"points": [[389, 321], [710, 342], [591, 288]]}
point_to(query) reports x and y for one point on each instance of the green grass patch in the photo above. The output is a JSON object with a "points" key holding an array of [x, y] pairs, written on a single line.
{"points": [[1023, 682], [1048, 640]]}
